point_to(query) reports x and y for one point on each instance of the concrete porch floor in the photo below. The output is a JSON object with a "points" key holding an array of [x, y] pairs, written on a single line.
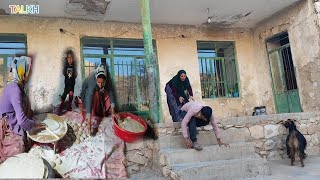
{"points": [[280, 170]]}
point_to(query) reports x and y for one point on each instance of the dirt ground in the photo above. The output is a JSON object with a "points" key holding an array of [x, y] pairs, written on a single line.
{"points": [[281, 170], [148, 174]]}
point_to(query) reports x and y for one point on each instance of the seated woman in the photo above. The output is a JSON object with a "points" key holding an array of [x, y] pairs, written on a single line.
{"points": [[14, 120], [179, 92], [97, 97]]}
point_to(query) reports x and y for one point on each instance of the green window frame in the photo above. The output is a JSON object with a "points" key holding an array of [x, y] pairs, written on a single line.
{"points": [[10, 46], [126, 65], [218, 69]]}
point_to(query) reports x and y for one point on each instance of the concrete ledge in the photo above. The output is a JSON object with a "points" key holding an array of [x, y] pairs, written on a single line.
{"points": [[252, 120], [210, 153], [232, 135]]}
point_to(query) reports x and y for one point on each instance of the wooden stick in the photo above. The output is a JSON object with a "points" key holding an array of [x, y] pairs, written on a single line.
{"points": [[56, 136]]}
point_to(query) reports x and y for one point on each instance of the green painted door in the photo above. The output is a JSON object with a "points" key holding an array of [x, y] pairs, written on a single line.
{"points": [[285, 89]]}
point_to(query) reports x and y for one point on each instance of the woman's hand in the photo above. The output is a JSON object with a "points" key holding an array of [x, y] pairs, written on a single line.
{"points": [[88, 120], [191, 97], [77, 110], [38, 127], [188, 142], [221, 143], [181, 99]]}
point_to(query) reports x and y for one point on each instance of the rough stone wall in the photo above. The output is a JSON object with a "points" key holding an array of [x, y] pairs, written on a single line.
{"points": [[301, 23], [317, 6], [266, 132], [269, 134], [139, 156]]}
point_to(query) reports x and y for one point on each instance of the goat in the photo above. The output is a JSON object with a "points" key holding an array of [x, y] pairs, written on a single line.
{"points": [[295, 142], [151, 132]]}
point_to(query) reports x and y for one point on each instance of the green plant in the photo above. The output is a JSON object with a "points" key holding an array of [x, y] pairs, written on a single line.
{"points": [[230, 90]]}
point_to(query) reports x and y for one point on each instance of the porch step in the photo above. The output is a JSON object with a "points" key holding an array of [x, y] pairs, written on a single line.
{"points": [[213, 162], [239, 150], [205, 138], [222, 169]]}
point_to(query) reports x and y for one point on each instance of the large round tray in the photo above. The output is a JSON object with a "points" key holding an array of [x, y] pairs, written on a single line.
{"points": [[55, 123]]}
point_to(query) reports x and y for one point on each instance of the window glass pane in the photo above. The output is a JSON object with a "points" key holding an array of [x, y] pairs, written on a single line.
{"points": [[90, 64], [10, 45], [13, 51], [218, 71], [128, 51], [92, 50]]}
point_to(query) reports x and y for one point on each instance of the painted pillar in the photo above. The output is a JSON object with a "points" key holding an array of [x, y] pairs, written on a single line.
{"points": [[150, 61]]}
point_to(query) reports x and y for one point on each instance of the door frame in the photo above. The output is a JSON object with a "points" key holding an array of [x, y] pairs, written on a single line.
{"points": [[282, 74]]}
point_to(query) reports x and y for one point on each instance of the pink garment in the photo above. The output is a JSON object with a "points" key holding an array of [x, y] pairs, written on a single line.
{"points": [[92, 156], [192, 109], [10, 143]]}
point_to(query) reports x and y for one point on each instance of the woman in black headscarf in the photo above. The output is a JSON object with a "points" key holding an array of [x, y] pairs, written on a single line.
{"points": [[179, 92]]}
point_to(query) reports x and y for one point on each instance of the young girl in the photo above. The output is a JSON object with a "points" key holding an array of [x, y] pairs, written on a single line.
{"points": [[70, 74]]}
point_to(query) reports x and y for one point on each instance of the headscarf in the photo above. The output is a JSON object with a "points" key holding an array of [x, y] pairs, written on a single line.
{"points": [[181, 86], [20, 68], [100, 71]]}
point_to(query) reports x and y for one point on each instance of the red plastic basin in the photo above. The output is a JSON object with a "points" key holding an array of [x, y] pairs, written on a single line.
{"points": [[125, 135]]}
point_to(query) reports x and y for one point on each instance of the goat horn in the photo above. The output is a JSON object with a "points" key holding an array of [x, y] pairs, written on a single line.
{"points": [[294, 120], [297, 122], [279, 122]]}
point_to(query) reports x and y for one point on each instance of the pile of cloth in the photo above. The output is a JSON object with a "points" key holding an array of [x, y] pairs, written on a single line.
{"points": [[101, 156]]}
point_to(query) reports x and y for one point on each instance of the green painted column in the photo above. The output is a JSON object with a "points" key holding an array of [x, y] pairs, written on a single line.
{"points": [[151, 63]]}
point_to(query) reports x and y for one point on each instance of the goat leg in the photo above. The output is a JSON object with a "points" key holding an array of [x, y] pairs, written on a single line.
{"points": [[288, 147], [301, 159], [292, 155]]}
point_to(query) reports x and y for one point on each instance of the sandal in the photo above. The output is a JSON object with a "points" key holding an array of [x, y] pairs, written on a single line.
{"points": [[197, 146]]}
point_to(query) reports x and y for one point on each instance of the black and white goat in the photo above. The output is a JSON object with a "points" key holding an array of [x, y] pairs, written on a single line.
{"points": [[295, 142]]}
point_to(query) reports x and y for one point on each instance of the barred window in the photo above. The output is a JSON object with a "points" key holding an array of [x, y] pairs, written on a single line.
{"points": [[218, 69], [10, 46], [126, 65]]}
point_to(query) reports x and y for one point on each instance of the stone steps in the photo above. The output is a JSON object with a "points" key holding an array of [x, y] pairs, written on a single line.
{"points": [[231, 135], [209, 153], [222, 169], [213, 162], [247, 136]]}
